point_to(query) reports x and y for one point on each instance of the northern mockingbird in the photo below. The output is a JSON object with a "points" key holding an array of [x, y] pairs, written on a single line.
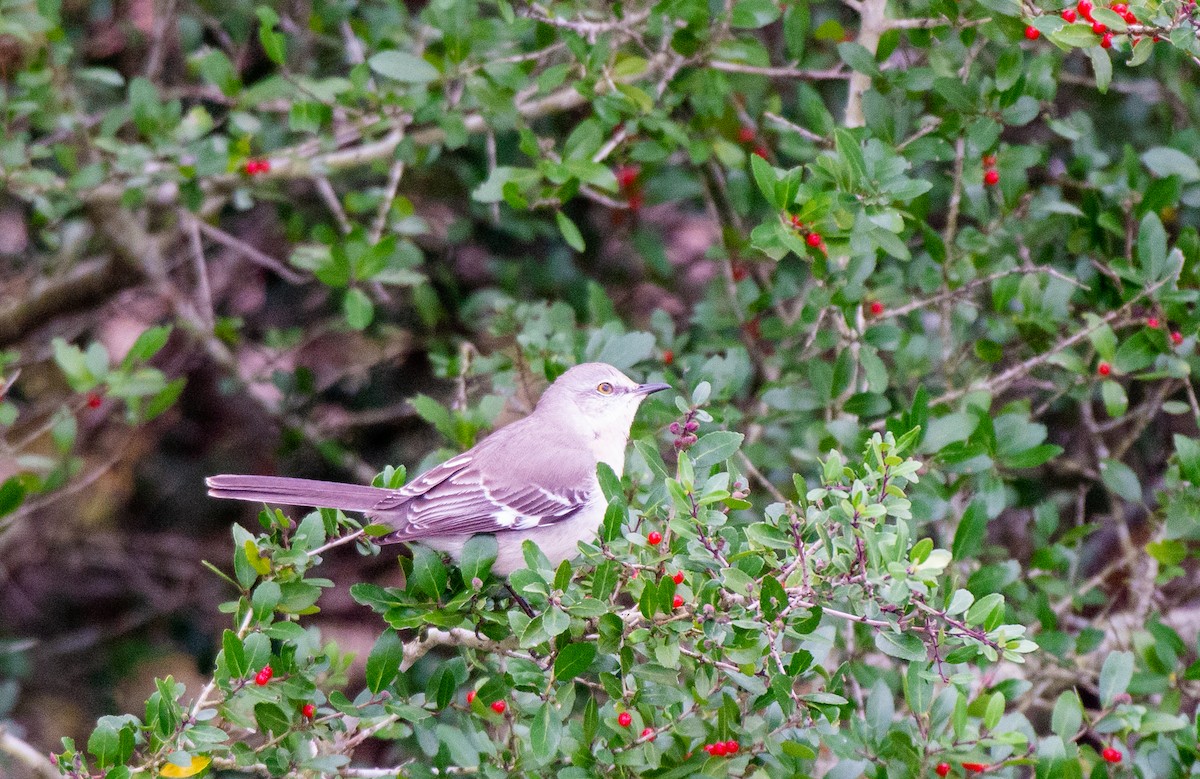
{"points": [[534, 479]]}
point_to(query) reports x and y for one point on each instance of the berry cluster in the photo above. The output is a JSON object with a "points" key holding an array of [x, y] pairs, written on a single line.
{"points": [[1082, 14], [811, 237], [262, 677], [722, 748], [685, 431], [747, 134], [629, 180], [991, 176], [255, 167]]}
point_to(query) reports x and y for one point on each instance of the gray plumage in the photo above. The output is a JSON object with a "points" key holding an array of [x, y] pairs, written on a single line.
{"points": [[534, 479]]}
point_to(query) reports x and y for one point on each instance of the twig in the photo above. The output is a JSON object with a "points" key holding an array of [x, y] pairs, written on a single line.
{"points": [[803, 132], [832, 74], [872, 14], [200, 268], [389, 197], [333, 203], [25, 754], [1001, 381], [229, 241]]}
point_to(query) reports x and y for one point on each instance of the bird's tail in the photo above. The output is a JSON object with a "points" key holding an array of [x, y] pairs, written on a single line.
{"points": [[286, 491]]}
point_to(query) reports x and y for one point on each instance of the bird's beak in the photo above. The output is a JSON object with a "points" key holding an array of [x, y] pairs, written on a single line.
{"points": [[646, 389]]}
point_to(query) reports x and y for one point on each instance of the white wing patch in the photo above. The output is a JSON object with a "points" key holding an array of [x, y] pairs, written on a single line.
{"points": [[509, 519]]}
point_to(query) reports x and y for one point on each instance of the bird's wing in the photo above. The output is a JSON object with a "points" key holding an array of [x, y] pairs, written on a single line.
{"points": [[477, 492]]}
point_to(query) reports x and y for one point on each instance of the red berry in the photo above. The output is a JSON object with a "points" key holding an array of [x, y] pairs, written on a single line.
{"points": [[942, 769], [1068, 16], [989, 160], [624, 719], [677, 601], [93, 400], [1176, 337], [499, 706], [647, 732], [1119, 8], [1111, 755], [1152, 323], [796, 223], [1106, 40], [654, 537], [813, 239], [308, 710], [991, 177], [668, 357], [876, 308], [739, 271], [732, 747], [262, 677], [1085, 9], [1031, 33], [627, 175], [1104, 369], [708, 748], [746, 134], [470, 697], [254, 167], [678, 577], [975, 766], [1099, 28], [1129, 17], [761, 151], [718, 749]]}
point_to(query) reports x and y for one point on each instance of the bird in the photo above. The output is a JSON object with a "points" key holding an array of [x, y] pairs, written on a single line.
{"points": [[534, 479]]}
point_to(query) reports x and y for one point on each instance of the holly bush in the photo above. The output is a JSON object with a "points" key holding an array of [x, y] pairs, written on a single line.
{"points": [[923, 274]]}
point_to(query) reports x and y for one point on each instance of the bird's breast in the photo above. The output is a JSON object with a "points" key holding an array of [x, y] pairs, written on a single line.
{"points": [[608, 446]]}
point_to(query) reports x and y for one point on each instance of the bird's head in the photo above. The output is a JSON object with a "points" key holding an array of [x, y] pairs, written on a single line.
{"points": [[600, 396]]}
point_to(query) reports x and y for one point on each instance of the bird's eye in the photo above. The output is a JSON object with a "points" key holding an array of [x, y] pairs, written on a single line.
{"points": [[604, 388]]}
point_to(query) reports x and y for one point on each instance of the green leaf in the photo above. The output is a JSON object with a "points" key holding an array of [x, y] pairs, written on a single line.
{"points": [[570, 232], [1121, 479], [545, 733], [1152, 249], [478, 557], [235, 656], [1116, 402], [1115, 676], [1164, 161], [1101, 67], [146, 346], [383, 664], [270, 718], [904, 646], [403, 67], [428, 572], [972, 528], [765, 178], [715, 447], [858, 58], [573, 659], [1187, 451], [1067, 715], [12, 495], [753, 14], [358, 308]]}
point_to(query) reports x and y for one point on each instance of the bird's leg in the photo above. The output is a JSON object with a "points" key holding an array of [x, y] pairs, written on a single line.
{"points": [[519, 601]]}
